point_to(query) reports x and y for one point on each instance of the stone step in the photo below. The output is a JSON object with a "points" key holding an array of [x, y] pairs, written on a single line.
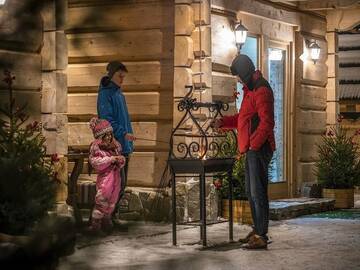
{"points": [[291, 208]]}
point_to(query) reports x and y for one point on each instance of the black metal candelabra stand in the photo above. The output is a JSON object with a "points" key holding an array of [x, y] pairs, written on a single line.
{"points": [[198, 149]]}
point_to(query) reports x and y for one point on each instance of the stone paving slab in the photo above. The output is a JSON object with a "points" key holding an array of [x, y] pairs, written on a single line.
{"points": [[291, 208]]}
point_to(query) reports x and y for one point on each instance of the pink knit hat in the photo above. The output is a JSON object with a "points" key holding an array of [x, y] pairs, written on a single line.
{"points": [[100, 127]]}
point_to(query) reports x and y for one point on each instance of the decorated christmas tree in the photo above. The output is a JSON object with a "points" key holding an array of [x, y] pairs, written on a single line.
{"points": [[27, 186]]}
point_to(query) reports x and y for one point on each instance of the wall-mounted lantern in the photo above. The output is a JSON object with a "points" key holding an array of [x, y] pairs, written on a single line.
{"points": [[314, 51], [240, 35]]}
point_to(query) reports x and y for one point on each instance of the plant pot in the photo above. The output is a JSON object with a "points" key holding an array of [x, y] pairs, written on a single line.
{"points": [[344, 198], [241, 211]]}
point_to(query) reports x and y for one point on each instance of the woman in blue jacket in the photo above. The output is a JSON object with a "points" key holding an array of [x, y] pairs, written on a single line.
{"points": [[111, 105]]}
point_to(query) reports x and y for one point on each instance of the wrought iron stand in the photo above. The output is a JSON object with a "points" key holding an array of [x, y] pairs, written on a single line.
{"points": [[200, 151]]}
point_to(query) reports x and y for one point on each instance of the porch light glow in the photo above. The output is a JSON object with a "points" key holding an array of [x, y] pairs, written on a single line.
{"points": [[2, 2], [314, 51], [240, 35]]}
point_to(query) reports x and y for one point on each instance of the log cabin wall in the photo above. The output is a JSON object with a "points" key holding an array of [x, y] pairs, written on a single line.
{"points": [[140, 34], [20, 46], [305, 115]]}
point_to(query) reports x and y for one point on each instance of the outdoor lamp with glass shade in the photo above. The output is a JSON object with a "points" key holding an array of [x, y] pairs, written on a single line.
{"points": [[240, 35], [314, 51]]}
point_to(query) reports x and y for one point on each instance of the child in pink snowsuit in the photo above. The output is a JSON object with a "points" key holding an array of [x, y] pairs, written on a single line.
{"points": [[105, 157]]}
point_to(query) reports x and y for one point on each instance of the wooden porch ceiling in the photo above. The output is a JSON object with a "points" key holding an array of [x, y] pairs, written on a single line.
{"points": [[318, 5]]}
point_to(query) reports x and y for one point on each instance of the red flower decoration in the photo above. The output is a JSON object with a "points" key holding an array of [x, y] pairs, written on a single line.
{"points": [[217, 183], [55, 158]]}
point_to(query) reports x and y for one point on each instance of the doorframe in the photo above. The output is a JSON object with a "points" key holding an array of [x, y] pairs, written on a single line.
{"points": [[284, 188]]}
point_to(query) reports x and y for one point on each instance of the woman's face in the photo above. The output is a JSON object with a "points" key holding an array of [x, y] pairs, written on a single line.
{"points": [[108, 137]]}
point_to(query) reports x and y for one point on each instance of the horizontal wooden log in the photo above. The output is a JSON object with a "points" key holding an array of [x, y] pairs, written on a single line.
{"points": [[123, 17], [271, 29], [223, 84], [332, 40], [312, 97], [54, 52], [347, 40], [182, 77], [332, 111], [306, 172], [26, 67], [342, 19], [150, 135], [55, 130], [223, 40], [184, 20], [315, 74], [312, 122], [54, 14], [332, 89], [141, 76], [54, 92], [205, 35], [271, 11], [21, 26], [139, 104], [333, 65], [202, 73], [124, 45], [183, 52], [349, 73], [145, 168], [308, 151], [202, 12]]}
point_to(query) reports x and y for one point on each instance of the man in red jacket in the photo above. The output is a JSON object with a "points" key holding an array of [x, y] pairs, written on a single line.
{"points": [[254, 124]]}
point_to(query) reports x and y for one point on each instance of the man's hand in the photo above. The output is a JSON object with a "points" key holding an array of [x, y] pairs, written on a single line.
{"points": [[130, 137]]}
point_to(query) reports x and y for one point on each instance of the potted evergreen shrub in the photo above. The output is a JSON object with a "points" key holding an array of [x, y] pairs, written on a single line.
{"points": [[27, 189], [338, 167], [241, 206]]}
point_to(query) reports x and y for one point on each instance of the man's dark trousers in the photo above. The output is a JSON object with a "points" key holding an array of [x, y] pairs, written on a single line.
{"points": [[256, 182]]}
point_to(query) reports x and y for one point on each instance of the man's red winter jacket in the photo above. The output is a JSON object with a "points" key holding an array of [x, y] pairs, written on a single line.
{"points": [[255, 120]]}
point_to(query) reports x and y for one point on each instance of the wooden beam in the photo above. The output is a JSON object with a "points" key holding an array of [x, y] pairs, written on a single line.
{"points": [[151, 135], [123, 17], [150, 75], [327, 5], [26, 68], [55, 130], [152, 165], [124, 46], [205, 35], [184, 20], [139, 104], [201, 12], [343, 19], [309, 22], [54, 92], [312, 97], [223, 40], [306, 172], [312, 122], [307, 147], [32, 99], [223, 85], [183, 52]]}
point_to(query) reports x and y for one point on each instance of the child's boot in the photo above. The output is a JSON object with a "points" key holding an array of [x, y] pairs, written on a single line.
{"points": [[94, 228], [107, 224]]}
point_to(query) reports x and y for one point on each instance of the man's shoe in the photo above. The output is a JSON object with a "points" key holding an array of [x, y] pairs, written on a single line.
{"points": [[256, 242], [247, 238], [107, 224]]}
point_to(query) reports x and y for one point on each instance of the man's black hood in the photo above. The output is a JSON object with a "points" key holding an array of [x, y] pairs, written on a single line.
{"points": [[243, 67]]}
